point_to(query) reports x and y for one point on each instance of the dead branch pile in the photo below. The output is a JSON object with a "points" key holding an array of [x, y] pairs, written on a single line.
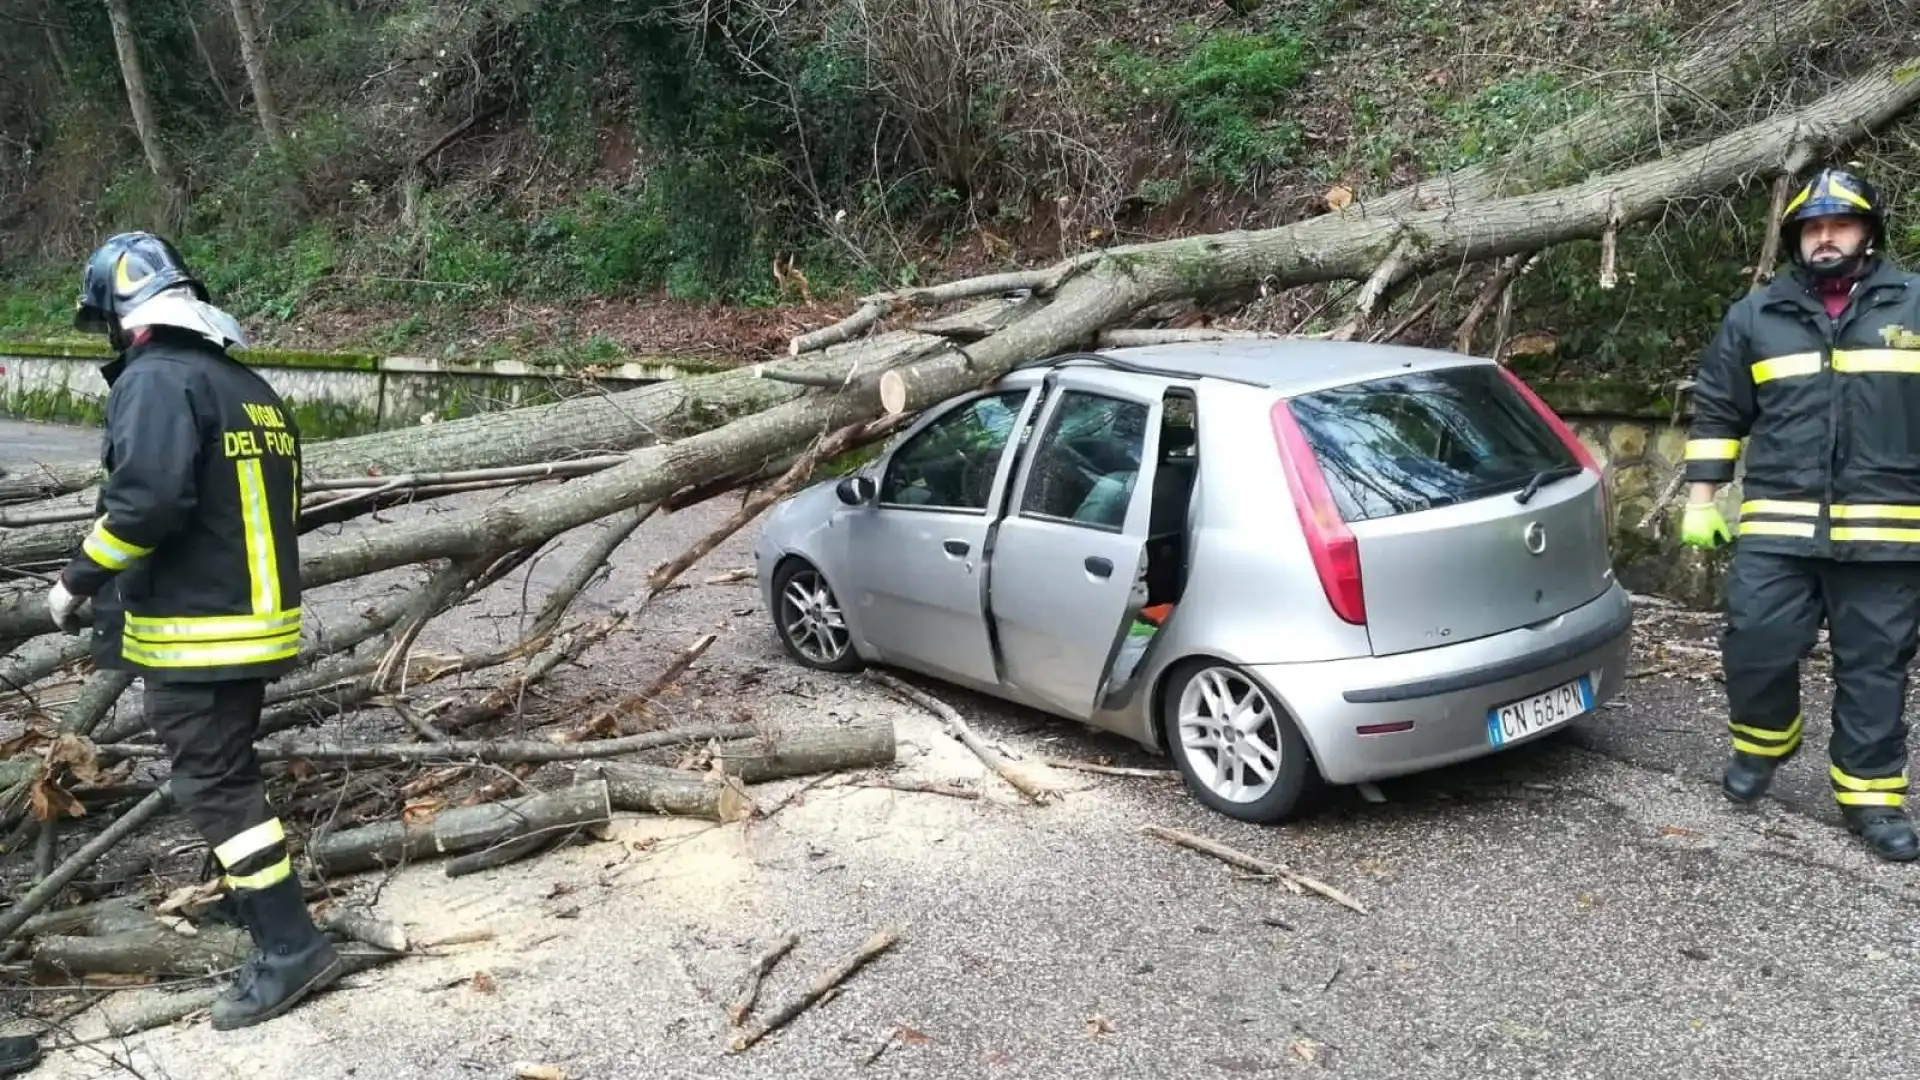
{"points": [[493, 774]]}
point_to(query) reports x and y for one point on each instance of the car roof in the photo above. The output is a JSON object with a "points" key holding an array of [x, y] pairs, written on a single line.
{"points": [[1283, 365]]}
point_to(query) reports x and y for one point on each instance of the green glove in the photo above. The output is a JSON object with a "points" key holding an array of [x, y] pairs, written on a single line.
{"points": [[1703, 527]]}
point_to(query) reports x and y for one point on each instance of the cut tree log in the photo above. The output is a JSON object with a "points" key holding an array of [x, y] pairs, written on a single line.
{"points": [[154, 950], [460, 829], [655, 789], [864, 744], [802, 752]]}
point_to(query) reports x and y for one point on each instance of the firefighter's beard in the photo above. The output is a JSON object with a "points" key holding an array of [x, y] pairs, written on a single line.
{"points": [[1829, 261]]}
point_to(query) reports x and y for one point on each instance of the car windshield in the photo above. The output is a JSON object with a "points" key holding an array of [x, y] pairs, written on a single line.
{"points": [[1423, 440]]}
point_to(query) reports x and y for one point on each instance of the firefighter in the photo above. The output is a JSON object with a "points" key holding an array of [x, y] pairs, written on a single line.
{"points": [[193, 568], [1819, 373]]}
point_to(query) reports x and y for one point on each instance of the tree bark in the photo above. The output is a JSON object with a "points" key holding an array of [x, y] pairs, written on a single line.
{"points": [[127, 46], [253, 53], [462, 828], [864, 745]]}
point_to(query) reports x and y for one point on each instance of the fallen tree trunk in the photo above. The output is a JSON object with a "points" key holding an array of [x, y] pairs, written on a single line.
{"points": [[135, 1011], [1742, 50], [589, 424], [460, 829]]}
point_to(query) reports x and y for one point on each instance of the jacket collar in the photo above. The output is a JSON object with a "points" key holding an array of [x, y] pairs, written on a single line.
{"points": [[1794, 288]]}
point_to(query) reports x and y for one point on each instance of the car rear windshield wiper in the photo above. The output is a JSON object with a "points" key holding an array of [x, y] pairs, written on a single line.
{"points": [[1542, 479]]}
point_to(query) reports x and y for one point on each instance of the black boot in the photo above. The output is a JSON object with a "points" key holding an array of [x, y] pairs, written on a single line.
{"points": [[18, 1053], [294, 959], [1748, 776], [1886, 830]]}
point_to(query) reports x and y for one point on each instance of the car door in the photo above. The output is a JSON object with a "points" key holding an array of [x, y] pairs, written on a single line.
{"points": [[917, 549], [1067, 556]]}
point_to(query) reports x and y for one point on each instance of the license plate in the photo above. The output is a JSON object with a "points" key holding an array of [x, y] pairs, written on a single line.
{"points": [[1528, 716]]}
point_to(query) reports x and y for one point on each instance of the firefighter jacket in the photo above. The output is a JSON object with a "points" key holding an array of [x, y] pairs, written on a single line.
{"points": [[1829, 412], [193, 561]]}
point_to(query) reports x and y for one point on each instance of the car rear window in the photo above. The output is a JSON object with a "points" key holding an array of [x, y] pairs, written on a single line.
{"points": [[1423, 440]]}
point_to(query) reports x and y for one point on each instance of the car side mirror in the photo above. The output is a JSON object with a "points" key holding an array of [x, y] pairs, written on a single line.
{"points": [[855, 490]]}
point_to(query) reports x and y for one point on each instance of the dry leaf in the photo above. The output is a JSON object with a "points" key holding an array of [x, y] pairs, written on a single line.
{"points": [[526, 1070], [1099, 1025], [1674, 830], [421, 811], [483, 982], [910, 1037], [1306, 1050], [1339, 197], [50, 800]]}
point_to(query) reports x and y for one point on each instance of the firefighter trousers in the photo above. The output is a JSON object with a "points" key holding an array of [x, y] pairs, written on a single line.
{"points": [[1774, 607], [208, 729]]}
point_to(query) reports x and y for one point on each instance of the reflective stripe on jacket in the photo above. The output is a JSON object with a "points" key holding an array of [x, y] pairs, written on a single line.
{"points": [[194, 561], [1822, 414]]}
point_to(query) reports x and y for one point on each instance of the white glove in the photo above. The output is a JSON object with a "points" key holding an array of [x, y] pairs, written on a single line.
{"points": [[61, 604]]}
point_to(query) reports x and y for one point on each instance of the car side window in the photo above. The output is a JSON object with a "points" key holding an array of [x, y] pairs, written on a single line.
{"points": [[1088, 461], [950, 464]]}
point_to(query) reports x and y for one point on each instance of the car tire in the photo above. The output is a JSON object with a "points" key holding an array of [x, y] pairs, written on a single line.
{"points": [[1187, 712], [805, 620]]}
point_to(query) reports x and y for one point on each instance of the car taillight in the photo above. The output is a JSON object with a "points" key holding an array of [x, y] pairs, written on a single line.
{"points": [[1573, 444], [1336, 555]]}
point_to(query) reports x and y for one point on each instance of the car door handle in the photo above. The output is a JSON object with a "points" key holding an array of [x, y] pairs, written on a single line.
{"points": [[956, 547], [1099, 567]]}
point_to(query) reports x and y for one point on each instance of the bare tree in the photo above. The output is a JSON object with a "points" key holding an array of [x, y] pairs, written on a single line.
{"points": [[253, 53], [172, 187]]}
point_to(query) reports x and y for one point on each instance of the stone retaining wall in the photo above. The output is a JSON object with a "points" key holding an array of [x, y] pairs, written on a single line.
{"points": [[331, 394], [1639, 437]]}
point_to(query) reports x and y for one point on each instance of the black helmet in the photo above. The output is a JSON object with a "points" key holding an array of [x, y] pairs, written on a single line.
{"points": [[125, 272], [1833, 192]]}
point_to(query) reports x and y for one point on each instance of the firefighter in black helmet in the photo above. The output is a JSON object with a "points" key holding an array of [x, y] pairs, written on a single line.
{"points": [[193, 567], [1818, 373]]}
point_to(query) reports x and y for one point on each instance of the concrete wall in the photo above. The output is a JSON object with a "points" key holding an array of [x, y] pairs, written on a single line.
{"points": [[332, 394]]}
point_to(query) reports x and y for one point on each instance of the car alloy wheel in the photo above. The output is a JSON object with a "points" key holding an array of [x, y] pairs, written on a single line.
{"points": [[810, 621], [1237, 749]]}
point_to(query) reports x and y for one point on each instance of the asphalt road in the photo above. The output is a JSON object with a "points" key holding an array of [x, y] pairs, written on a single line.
{"points": [[23, 442], [1584, 907]]}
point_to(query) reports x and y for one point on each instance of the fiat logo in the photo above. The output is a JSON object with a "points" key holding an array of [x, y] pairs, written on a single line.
{"points": [[1535, 538]]}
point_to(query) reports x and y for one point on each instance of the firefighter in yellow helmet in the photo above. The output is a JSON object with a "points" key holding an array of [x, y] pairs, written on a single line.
{"points": [[1818, 374]]}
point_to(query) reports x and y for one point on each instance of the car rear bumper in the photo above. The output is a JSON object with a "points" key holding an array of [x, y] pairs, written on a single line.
{"points": [[1447, 692]]}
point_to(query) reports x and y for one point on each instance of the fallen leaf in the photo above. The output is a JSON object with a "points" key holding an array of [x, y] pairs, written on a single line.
{"points": [[1339, 197], [421, 811], [51, 801], [1099, 1025], [1306, 1050], [1674, 830], [911, 1037], [530, 1071], [483, 982]]}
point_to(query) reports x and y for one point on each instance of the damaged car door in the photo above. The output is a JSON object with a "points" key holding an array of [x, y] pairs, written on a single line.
{"points": [[1068, 555]]}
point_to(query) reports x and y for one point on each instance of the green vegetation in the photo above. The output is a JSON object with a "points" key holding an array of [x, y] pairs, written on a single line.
{"points": [[494, 179]]}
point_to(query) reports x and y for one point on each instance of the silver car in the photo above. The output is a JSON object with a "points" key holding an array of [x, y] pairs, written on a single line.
{"points": [[1286, 563]]}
